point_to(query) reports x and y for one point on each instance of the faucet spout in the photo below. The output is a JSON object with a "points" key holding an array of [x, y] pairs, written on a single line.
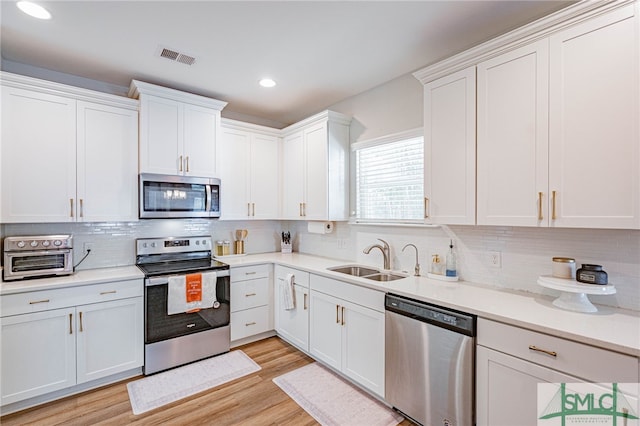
{"points": [[385, 252], [416, 269]]}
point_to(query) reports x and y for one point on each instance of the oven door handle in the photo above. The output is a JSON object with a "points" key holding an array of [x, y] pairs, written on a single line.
{"points": [[165, 279]]}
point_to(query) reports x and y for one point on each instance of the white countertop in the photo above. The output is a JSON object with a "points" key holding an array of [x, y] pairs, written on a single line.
{"points": [[610, 328], [83, 277]]}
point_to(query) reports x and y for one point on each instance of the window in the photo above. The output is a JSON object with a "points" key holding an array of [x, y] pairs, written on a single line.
{"points": [[389, 178]]}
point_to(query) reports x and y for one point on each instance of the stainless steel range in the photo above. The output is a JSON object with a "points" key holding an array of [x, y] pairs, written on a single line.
{"points": [[187, 297]]}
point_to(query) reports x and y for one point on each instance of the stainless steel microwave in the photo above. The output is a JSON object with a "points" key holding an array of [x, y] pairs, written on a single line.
{"points": [[169, 196]]}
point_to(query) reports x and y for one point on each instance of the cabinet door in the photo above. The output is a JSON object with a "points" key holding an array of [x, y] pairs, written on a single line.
{"points": [[292, 176], [109, 338], [199, 149], [506, 388], [316, 168], [265, 166], [293, 324], [325, 329], [450, 149], [161, 132], [512, 140], [38, 154], [107, 161], [594, 166], [234, 174], [363, 346], [38, 354]]}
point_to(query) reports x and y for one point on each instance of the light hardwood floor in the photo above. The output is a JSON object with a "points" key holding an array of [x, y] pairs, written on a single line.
{"points": [[250, 400]]}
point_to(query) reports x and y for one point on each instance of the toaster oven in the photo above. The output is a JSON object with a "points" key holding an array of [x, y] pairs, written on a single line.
{"points": [[37, 256]]}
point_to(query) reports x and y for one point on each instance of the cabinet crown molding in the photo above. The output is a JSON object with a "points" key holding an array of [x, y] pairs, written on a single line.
{"points": [[52, 88], [332, 116], [536, 30], [140, 87], [256, 128]]}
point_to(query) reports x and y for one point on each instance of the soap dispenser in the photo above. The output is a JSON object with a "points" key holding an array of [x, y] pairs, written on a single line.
{"points": [[451, 269], [437, 267]]}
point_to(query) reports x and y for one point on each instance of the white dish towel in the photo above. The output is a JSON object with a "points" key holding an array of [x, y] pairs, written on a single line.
{"points": [[177, 293], [288, 295]]}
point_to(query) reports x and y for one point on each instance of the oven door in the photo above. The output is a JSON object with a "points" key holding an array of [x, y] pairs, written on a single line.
{"points": [[166, 196], [32, 264], [159, 325]]}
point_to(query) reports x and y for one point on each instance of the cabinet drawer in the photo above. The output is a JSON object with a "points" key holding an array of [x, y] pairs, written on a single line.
{"points": [[584, 361], [249, 322], [249, 272], [249, 294], [301, 278], [36, 301], [360, 295]]}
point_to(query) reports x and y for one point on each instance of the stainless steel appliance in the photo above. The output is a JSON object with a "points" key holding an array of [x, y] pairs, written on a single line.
{"points": [[169, 196], [37, 256], [181, 338], [429, 358]]}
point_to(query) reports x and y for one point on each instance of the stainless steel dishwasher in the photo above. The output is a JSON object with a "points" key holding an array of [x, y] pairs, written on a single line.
{"points": [[429, 362]]}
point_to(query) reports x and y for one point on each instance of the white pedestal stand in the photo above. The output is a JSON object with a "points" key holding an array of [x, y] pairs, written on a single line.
{"points": [[573, 296]]}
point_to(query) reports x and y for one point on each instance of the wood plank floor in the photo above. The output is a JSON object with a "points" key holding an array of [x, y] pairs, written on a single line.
{"points": [[250, 400]]}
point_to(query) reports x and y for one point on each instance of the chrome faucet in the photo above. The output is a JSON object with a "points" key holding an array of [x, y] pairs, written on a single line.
{"points": [[385, 252], [416, 269]]}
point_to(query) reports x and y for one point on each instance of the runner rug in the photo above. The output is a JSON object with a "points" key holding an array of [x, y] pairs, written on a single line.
{"points": [[164, 388], [332, 401]]}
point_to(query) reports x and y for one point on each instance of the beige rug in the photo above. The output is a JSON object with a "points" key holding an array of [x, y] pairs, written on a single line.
{"points": [[163, 388], [332, 401]]}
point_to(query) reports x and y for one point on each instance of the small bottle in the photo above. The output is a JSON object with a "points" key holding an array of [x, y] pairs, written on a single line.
{"points": [[451, 262]]}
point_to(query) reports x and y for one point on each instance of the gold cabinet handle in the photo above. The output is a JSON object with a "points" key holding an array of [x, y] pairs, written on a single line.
{"points": [[107, 292], [39, 301], [248, 209], [540, 206], [250, 323], [300, 209], [304, 209], [337, 313], [342, 315], [180, 164], [70, 323], [70, 207], [250, 273], [305, 302], [81, 207], [249, 294], [553, 205], [253, 209], [81, 328], [426, 208], [187, 167], [537, 349]]}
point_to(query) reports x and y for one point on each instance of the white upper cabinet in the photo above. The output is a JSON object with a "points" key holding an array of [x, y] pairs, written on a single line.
{"points": [[178, 131], [594, 141], [512, 144], [67, 154], [450, 148], [315, 164], [249, 170]]}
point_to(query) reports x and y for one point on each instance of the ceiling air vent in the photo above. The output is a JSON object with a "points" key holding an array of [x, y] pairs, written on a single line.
{"points": [[173, 55]]}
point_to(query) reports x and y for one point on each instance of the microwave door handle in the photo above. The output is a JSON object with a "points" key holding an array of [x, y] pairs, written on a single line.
{"points": [[208, 202]]}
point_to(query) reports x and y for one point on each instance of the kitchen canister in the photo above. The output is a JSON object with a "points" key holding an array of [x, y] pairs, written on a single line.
{"points": [[591, 274], [564, 267]]}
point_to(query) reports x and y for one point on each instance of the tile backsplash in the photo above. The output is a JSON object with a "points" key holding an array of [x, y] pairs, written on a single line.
{"points": [[525, 253]]}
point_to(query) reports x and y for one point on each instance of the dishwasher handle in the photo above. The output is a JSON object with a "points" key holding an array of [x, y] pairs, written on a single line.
{"points": [[450, 319]]}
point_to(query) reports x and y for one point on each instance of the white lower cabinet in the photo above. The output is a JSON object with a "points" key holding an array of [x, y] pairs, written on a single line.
{"points": [[45, 349], [251, 296], [511, 362], [345, 335], [293, 324]]}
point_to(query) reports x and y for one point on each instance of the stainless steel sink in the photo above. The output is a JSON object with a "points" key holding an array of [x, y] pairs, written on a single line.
{"points": [[367, 272], [355, 270]]}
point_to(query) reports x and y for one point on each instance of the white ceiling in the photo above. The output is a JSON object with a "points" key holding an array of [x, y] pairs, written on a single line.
{"points": [[319, 52]]}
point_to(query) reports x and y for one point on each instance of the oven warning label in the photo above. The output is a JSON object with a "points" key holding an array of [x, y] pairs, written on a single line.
{"points": [[588, 404]]}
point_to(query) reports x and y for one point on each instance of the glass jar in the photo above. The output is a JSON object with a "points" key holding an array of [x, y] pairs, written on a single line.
{"points": [[563, 267], [226, 247], [219, 248]]}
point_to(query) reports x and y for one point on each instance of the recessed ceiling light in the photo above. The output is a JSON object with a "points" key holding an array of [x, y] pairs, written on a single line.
{"points": [[267, 82], [33, 9]]}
